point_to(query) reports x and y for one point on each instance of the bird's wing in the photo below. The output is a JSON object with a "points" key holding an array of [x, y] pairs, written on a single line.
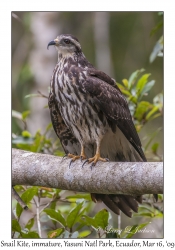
{"points": [[101, 75], [68, 141], [107, 96]]}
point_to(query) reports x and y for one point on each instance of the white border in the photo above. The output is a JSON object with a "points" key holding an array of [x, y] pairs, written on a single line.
{"points": [[5, 87]]}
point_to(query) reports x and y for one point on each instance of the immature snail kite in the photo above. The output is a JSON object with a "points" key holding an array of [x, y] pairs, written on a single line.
{"points": [[91, 116]]}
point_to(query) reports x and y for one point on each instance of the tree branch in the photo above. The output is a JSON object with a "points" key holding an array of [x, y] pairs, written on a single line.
{"points": [[19, 200], [137, 178]]}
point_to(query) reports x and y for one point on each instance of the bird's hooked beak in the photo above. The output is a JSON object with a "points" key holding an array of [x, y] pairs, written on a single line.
{"points": [[54, 42]]}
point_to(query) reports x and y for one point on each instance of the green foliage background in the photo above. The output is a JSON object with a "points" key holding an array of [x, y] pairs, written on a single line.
{"points": [[63, 214]]}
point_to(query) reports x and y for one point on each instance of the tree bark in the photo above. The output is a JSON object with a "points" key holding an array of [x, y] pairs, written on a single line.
{"points": [[132, 178]]}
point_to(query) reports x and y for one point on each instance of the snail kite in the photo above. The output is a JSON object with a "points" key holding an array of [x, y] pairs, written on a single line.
{"points": [[91, 116]]}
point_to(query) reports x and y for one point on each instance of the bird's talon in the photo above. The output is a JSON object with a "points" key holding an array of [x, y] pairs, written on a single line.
{"points": [[70, 163], [64, 156], [97, 158], [92, 165], [84, 163]]}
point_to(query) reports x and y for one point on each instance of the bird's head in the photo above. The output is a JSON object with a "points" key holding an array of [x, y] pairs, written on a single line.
{"points": [[66, 44]]}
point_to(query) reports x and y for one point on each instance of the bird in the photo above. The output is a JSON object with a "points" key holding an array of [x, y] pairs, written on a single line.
{"points": [[91, 117]]}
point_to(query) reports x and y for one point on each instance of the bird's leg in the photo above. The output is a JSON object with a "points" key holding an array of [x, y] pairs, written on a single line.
{"points": [[97, 157], [73, 157], [82, 156]]}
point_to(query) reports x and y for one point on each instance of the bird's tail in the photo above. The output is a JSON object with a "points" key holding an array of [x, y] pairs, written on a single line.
{"points": [[125, 203]]}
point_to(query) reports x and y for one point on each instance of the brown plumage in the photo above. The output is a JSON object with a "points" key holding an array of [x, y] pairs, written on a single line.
{"points": [[91, 116]]}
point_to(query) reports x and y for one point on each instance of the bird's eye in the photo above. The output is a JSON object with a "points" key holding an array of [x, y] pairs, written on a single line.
{"points": [[67, 41]]}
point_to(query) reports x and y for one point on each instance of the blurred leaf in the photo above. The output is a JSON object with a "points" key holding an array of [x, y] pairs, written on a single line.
{"points": [[25, 114], [30, 223], [155, 147], [153, 110], [32, 95], [113, 235], [141, 83], [19, 188], [134, 76], [49, 126], [45, 218], [160, 196], [55, 215], [56, 192], [129, 231], [53, 205], [84, 234], [16, 17], [101, 218], [55, 233], [160, 54], [27, 196], [47, 194], [81, 223], [156, 50], [158, 100], [145, 207], [156, 28], [74, 235], [82, 212], [66, 234], [30, 235], [90, 221], [26, 134], [147, 88], [158, 215], [141, 109], [152, 136], [125, 82], [59, 153], [38, 144], [47, 189], [22, 140], [79, 196], [148, 211], [146, 214], [133, 99], [123, 90], [15, 226], [16, 114], [73, 214], [155, 116], [133, 230], [138, 127]]}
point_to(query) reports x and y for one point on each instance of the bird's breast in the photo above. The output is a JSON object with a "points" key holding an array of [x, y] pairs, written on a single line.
{"points": [[77, 108]]}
